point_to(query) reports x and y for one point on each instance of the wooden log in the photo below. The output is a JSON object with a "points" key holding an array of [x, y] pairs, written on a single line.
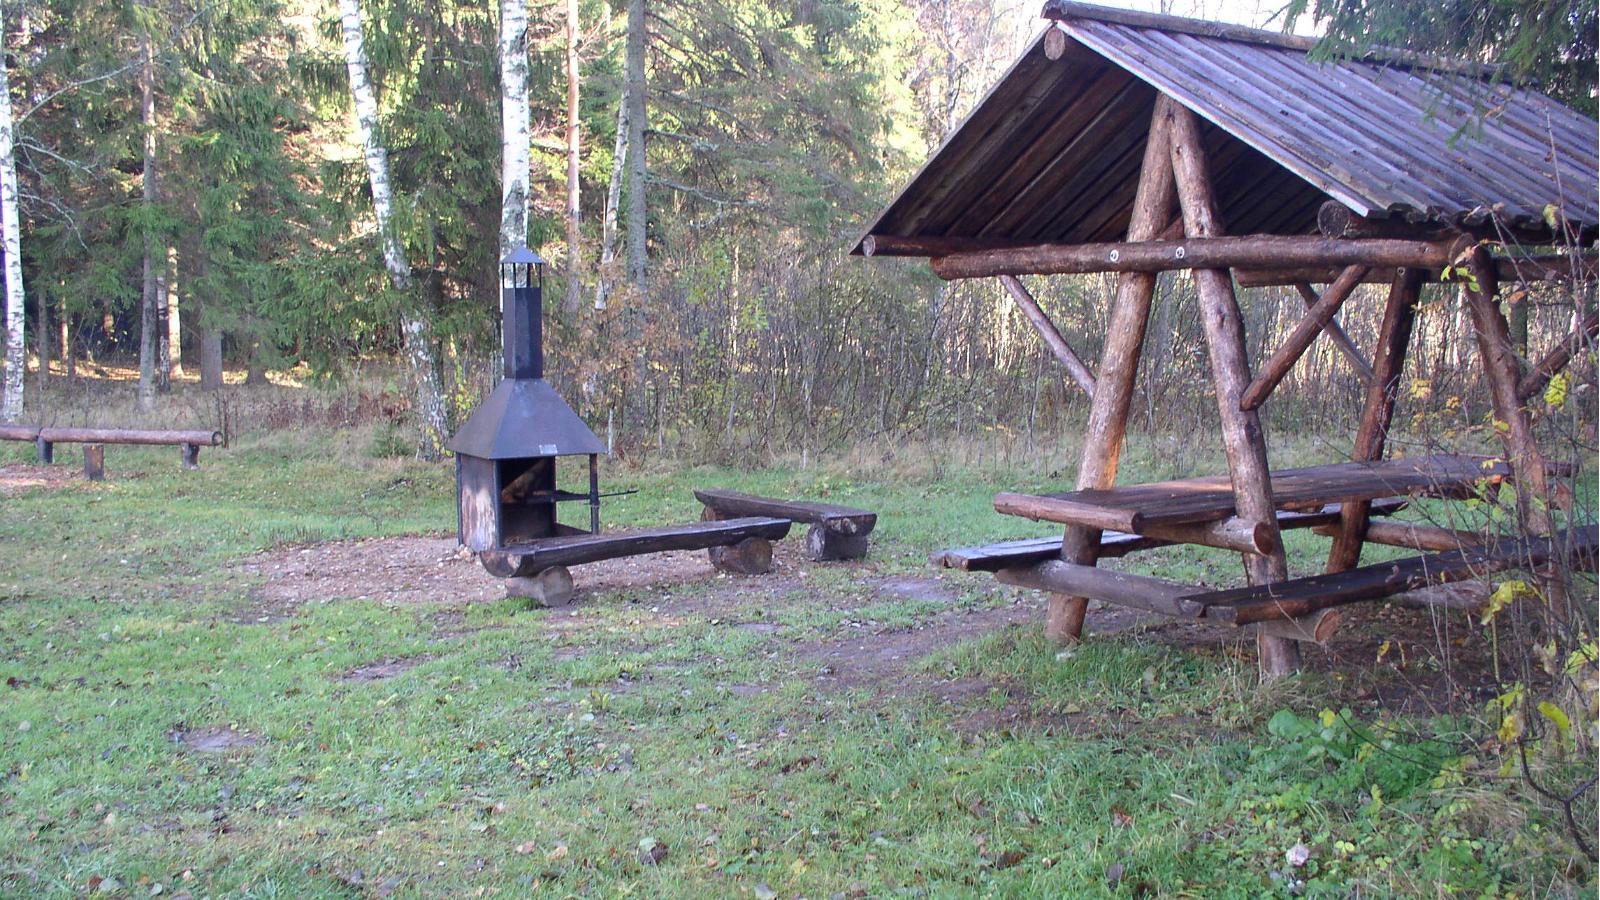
{"points": [[823, 544], [549, 588], [1107, 424], [46, 451], [1578, 268], [189, 454], [94, 462], [1372, 434], [1496, 350], [1340, 337], [1336, 220], [841, 519], [1055, 44], [1242, 437], [930, 245], [570, 550], [1316, 628], [19, 432], [1233, 533], [1052, 336], [1290, 599], [1415, 535], [1259, 251], [1122, 588], [1316, 320], [129, 436], [751, 556], [1557, 359]]}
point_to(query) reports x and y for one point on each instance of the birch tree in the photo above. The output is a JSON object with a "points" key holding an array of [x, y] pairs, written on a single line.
{"points": [[514, 156], [635, 87], [11, 235], [608, 221], [574, 234], [424, 368]]}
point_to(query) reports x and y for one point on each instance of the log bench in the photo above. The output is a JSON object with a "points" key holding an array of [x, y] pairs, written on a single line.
{"points": [[538, 569], [836, 532], [94, 439]]}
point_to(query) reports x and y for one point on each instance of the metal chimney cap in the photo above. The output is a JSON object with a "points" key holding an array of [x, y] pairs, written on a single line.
{"points": [[522, 256]]}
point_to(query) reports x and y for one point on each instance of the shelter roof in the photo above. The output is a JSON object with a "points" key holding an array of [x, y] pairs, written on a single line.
{"points": [[1052, 153]]}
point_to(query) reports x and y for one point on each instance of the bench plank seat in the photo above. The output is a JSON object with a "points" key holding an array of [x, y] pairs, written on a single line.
{"points": [[1115, 544], [571, 550], [1191, 500], [1299, 596], [835, 518]]}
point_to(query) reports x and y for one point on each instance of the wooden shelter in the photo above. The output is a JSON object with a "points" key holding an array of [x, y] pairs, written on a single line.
{"points": [[1137, 143]]}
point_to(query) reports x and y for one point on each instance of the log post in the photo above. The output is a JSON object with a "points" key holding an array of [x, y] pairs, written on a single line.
{"points": [[1052, 336], [549, 588], [1522, 448], [1242, 436], [1316, 320], [190, 454], [47, 451], [1119, 363], [751, 556], [1394, 337], [94, 462], [824, 544]]}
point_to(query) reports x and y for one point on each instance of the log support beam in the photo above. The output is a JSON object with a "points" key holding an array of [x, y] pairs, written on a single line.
{"points": [[1317, 319], [1339, 336], [1052, 336], [1394, 337], [1557, 359], [1242, 435], [1119, 362]]}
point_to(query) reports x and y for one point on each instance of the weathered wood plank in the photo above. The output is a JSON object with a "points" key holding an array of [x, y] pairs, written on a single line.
{"points": [[842, 519], [526, 559], [1580, 267], [1289, 599], [1121, 588]]}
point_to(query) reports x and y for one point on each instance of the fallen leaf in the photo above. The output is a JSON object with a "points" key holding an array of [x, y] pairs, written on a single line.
{"points": [[652, 851], [1009, 858], [558, 854], [1120, 817], [1113, 874], [763, 891], [526, 848], [1298, 855]]}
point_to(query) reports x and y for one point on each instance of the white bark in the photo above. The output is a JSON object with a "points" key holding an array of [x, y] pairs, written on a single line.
{"points": [[414, 332], [608, 226], [574, 147], [11, 235], [514, 162]]}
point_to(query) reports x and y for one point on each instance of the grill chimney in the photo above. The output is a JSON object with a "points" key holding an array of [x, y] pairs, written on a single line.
{"points": [[522, 313]]}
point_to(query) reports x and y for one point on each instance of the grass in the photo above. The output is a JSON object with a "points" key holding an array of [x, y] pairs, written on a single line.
{"points": [[533, 751]]}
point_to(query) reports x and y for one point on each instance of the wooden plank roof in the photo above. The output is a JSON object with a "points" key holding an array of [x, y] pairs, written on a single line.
{"points": [[1051, 154]]}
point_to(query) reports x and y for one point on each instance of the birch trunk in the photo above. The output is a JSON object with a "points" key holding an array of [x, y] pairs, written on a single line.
{"points": [[608, 227], [514, 148], [174, 323], [11, 234], [424, 368], [635, 86], [574, 234], [147, 304]]}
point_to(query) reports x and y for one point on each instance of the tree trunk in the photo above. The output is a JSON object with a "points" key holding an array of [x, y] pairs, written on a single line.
{"points": [[514, 147], [174, 325], [424, 368], [66, 342], [574, 234], [210, 358], [635, 88], [42, 341], [152, 278], [608, 228], [11, 236]]}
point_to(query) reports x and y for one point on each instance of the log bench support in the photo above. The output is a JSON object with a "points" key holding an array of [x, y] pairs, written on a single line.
{"points": [[836, 532]]}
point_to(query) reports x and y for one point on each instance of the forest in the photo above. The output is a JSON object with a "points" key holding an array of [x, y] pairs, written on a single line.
{"points": [[192, 197]]}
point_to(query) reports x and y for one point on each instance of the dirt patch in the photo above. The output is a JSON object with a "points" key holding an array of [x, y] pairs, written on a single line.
{"points": [[882, 659], [215, 739], [382, 669], [20, 477]]}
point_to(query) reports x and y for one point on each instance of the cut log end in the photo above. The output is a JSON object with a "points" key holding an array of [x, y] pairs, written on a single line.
{"points": [[1055, 44], [1318, 627], [751, 556], [823, 545], [550, 588]]}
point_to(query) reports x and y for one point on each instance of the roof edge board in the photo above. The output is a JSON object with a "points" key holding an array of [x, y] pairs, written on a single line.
{"points": [[1064, 10]]}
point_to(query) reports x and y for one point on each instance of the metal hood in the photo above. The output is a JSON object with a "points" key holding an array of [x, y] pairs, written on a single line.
{"points": [[525, 417]]}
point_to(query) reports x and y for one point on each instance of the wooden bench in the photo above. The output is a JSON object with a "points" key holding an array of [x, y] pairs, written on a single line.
{"points": [[836, 532], [538, 569], [94, 440], [1116, 544]]}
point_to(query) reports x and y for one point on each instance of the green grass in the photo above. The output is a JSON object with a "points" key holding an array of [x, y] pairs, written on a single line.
{"points": [[518, 757]]}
